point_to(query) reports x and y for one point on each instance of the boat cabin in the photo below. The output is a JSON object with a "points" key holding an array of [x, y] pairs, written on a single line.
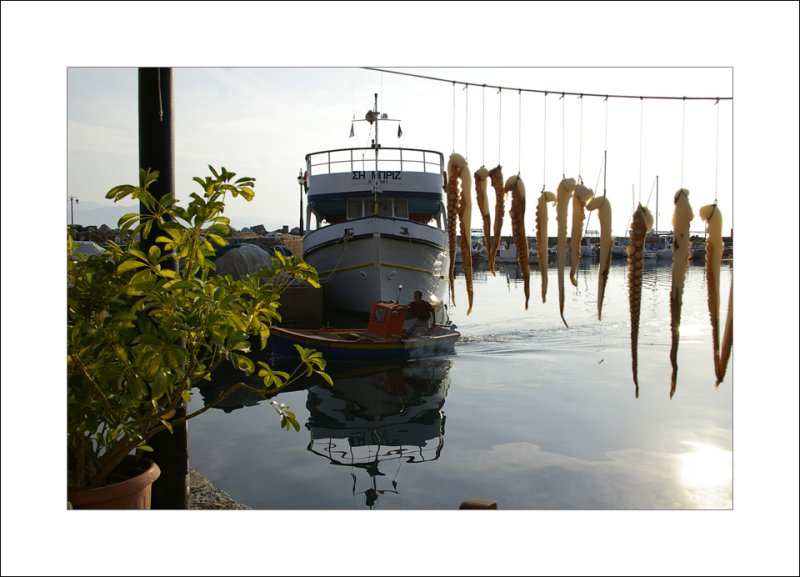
{"points": [[398, 183]]}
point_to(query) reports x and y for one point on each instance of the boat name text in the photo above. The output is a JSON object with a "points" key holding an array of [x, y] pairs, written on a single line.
{"points": [[380, 175]]}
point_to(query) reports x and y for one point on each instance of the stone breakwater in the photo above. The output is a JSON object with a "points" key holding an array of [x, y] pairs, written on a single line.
{"points": [[256, 235], [204, 495]]}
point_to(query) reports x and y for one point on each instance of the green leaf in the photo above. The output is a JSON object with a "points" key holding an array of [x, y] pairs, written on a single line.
{"points": [[242, 362], [153, 254], [160, 385], [168, 273], [129, 265]]}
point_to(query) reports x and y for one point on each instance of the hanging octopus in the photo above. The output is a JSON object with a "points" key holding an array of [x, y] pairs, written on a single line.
{"points": [[496, 174], [452, 223], [483, 205], [579, 199], [727, 340], [681, 218], [564, 192], [642, 223], [516, 187], [711, 214], [602, 205], [459, 206], [542, 248]]}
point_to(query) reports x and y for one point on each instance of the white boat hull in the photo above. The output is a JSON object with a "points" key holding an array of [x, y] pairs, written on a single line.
{"points": [[367, 260]]}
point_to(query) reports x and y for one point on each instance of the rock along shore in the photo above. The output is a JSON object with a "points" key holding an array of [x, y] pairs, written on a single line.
{"points": [[204, 495]]}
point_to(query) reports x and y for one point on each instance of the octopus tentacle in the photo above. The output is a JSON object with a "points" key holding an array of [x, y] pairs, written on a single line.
{"points": [[517, 213], [465, 218], [727, 340], [603, 206], [483, 205], [579, 199], [642, 222], [453, 174], [681, 218], [564, 192], [711, 214], [496, 175], [541, 236]]}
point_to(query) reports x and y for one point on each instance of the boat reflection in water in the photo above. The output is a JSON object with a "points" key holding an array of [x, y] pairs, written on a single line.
{"points": [[380, 414]]}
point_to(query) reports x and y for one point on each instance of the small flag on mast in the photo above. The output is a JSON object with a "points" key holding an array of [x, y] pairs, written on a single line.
{"points": [[399, 131], [352, 131]]}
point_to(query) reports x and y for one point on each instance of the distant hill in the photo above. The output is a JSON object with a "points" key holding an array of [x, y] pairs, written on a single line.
{"points": [[95, 214]]}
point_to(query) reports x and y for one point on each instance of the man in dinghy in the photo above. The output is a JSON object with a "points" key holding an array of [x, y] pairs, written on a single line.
{"points": [[419, 319]]}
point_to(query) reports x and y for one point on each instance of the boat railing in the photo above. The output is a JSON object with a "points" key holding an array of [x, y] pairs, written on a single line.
{"points": [[344, 160]]}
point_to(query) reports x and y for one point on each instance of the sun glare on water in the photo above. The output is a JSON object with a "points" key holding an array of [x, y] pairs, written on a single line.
{"points": [[706, 474]]}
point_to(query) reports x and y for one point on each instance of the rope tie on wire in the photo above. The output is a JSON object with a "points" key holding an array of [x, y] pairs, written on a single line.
{"points": [[500, 125], [483, 126], [716, 158], [580, 144], [563, 169], [454, 116], [605, 142], [605, 151], [683, 138], [641, 132], [160, 98], [544, 146], [466, 123], [519, 141]]}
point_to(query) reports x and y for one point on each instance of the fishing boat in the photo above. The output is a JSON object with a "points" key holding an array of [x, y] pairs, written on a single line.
{"points": [[620, 247], [382, 340], [379, 222], [508, 254]]}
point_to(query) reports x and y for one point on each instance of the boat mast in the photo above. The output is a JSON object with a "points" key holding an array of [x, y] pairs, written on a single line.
{"points": [[657, 204], [377, 118], [374, 116]]}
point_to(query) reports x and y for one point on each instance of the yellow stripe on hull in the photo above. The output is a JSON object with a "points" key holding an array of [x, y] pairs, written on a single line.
{"points": [[383, 264]]}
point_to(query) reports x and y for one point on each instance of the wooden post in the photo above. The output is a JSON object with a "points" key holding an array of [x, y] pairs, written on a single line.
{"points": [[478, 504]]}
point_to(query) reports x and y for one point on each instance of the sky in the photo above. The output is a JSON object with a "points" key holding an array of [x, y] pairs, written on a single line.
{"points": [[69, 128], [262, 121]]}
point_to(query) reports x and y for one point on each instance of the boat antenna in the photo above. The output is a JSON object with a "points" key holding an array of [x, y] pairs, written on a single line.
{"points": [[374, 117], [377, 145]]}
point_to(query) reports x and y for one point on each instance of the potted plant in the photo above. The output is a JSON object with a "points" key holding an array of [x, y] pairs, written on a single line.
{"points": [[142, 332]]}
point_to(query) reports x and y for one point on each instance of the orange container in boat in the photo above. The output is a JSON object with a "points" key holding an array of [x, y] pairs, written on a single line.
{"points": [[386, 319]]}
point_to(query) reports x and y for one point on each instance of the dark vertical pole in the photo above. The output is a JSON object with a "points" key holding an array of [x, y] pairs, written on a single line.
{"points": [[156, 138], [301, 182], [156, 152]]}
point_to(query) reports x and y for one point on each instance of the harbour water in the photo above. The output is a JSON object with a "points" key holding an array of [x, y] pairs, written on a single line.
{"points": [[528, 412]]}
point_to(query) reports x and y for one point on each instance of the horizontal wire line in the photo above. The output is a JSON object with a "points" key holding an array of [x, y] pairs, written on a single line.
{"points": [[561, 92]]}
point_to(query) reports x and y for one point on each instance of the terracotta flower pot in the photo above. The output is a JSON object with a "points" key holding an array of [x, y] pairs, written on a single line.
{"points": [[133, 493]]}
